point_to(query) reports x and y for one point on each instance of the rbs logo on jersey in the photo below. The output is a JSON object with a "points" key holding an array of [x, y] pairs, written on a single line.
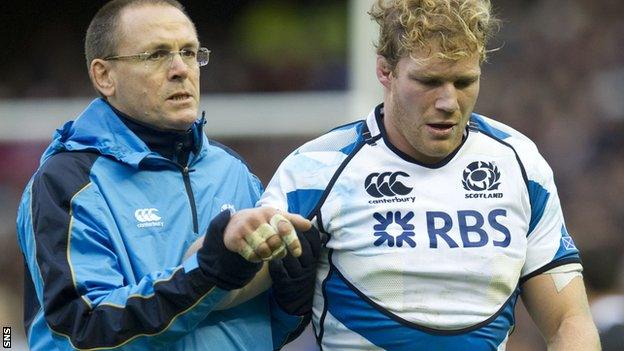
{"points": [[471, 231], [442, 228]]}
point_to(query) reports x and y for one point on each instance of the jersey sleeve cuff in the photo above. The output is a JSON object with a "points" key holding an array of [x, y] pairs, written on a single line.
{"points": [[548, 267]]}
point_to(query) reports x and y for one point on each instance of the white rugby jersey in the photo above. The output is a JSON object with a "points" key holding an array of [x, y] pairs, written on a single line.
{"points": [[417, 256]]}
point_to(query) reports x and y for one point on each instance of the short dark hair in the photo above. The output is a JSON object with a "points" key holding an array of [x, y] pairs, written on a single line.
{"points": [[102, 35]]}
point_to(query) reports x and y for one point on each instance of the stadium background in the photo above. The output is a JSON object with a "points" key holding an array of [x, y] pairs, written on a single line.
{"points": [[285, 71]]}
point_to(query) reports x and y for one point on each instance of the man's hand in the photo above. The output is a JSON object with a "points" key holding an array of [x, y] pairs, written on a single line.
{"points": [[264, 233], [294, 277], [228, 235]]}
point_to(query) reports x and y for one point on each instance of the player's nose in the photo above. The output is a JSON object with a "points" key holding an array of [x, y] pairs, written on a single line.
{"points": [[447, 98]]}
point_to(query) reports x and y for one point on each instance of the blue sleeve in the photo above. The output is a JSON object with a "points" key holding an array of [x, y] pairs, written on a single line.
{"points": [[285, 327], [64, 229], [256, 188]]}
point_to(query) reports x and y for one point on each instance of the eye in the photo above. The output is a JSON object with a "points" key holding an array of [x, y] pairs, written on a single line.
{"points": [[464, 83], [430, 82], [158, 55], [188, 53]]}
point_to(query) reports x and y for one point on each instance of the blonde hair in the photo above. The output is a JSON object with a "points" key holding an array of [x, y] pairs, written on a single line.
{"points": [[456, 28]]}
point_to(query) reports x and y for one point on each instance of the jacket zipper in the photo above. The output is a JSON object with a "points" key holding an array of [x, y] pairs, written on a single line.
{"points": [[189, 192]]}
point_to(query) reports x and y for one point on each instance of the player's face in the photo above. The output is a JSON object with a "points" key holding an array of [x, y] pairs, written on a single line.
{"points": [[165, 96], [427, 103]]}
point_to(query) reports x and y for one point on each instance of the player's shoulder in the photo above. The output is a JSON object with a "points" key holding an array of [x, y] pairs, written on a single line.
{"points": [[313, 163], [498, 130], [525, 149], [340, 139], [330, 148]]}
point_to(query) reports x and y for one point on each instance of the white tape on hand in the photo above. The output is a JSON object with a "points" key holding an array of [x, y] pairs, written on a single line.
{"points": [[289, 238], [279, 253], [260, 235], [247, 252]]}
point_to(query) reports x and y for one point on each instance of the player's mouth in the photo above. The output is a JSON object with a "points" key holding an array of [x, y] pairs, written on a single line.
{"points": [[441, 129], [180, 97]]}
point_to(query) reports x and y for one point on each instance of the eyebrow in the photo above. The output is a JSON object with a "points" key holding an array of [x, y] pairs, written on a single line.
{"points": [[166, 46], [426, 76]]}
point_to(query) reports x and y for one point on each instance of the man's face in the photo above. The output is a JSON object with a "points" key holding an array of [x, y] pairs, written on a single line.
{"points": [[165, 96], [427, 104]]}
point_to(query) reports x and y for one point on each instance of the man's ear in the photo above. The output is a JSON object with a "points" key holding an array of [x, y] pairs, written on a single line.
{"points": [[102, 78], [384, 71]]}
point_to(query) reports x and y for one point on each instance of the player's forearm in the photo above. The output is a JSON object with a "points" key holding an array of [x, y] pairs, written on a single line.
{"points": [[575, 333]]}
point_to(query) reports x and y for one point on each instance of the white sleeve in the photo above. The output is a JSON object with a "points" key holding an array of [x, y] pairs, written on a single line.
{"points": [[548, 242], [300, 181]]}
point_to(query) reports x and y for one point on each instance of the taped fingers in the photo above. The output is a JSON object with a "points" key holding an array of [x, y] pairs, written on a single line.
{"points": [[275, 243], [277, 254], [248, 253], [257, 240], [287, 233], [265, 243]]}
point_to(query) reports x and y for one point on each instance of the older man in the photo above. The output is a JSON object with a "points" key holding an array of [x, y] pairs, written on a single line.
{"points": [[436, 218], [123, 192]]}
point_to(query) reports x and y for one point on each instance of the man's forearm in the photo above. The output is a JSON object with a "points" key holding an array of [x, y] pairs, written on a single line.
{"points": [[575, 333]]}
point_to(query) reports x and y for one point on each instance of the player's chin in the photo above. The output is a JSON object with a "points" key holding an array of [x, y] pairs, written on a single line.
{"points": [[440, 149]]}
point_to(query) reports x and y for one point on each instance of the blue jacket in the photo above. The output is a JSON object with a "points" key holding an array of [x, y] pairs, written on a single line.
{"points": [[103, 225]]}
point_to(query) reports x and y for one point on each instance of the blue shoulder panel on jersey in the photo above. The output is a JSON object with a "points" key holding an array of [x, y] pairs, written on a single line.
{"points": [[359, 128], [484, 126], [538, 197], [307, 202], [346, 126], [303, 201], [386, 331]]}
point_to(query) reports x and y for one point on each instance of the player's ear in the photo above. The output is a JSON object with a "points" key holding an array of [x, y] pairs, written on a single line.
{"points": [[384, 71], [102, 77]]}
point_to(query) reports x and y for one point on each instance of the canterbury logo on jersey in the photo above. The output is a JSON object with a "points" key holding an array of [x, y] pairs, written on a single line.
{"points": [[148, 217], [386, 184]]}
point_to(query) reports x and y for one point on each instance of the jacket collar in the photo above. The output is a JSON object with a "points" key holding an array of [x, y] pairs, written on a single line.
{"points": [[99, 128]]}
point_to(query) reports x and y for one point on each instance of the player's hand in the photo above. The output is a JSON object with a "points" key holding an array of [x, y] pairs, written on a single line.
{"points": [[294, 277], [264, 233]]}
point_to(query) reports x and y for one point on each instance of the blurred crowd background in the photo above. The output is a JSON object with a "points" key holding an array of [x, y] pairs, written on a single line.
{"points": [[557, 75]]}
